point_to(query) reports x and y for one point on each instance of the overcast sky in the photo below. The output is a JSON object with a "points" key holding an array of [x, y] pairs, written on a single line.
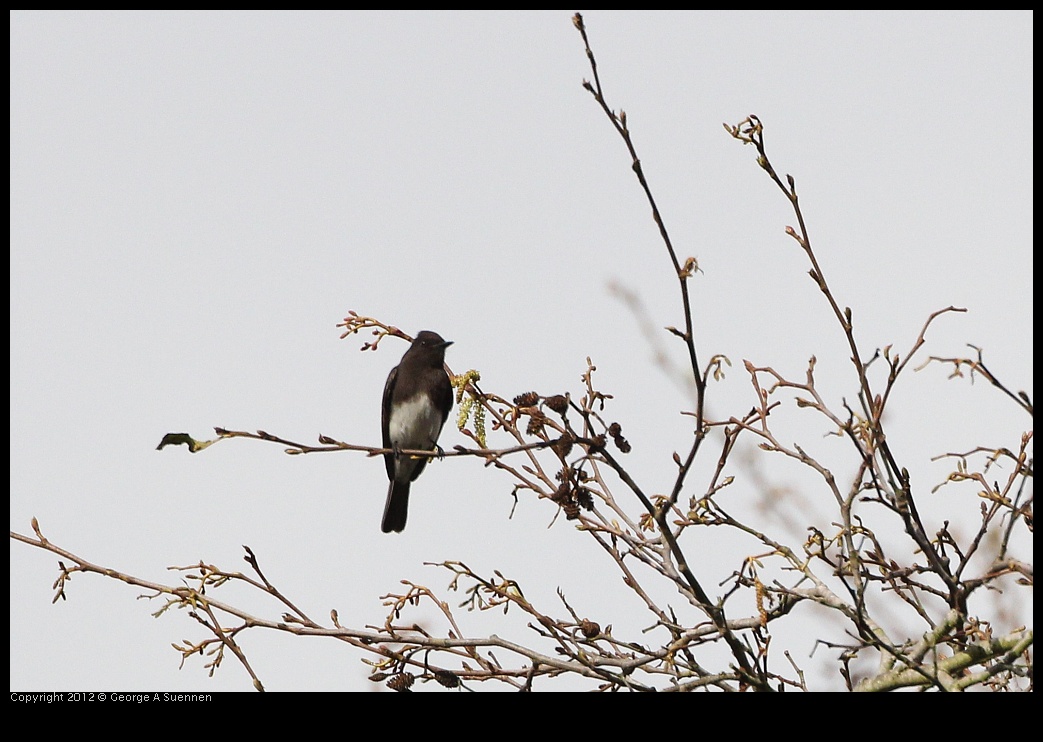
{"points": [[198, 198]]}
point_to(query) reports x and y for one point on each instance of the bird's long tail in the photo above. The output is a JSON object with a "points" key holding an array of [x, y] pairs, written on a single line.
{"points": [[396, 507]]}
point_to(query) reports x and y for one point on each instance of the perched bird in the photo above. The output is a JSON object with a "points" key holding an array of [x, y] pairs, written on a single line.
{"points": [[417, 400]]}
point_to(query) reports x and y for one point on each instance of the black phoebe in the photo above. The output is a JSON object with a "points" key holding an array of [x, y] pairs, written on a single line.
{"points": [[417, 400]]}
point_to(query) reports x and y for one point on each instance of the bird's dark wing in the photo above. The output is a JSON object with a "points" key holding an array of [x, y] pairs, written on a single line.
{"points": [[445, 395], [385, 421]]}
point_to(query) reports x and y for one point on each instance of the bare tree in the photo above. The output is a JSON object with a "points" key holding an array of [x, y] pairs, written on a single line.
{"points": [[901, 588]]}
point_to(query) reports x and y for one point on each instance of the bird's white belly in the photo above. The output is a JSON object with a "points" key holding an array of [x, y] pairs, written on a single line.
{"points": [[415, 424]]}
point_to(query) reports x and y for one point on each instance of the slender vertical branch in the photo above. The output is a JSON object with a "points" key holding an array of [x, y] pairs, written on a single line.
{"points": [[683, 273]]}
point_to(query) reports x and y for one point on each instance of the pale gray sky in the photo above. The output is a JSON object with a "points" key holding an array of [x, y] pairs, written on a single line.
{"points": [[198, 198]]}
